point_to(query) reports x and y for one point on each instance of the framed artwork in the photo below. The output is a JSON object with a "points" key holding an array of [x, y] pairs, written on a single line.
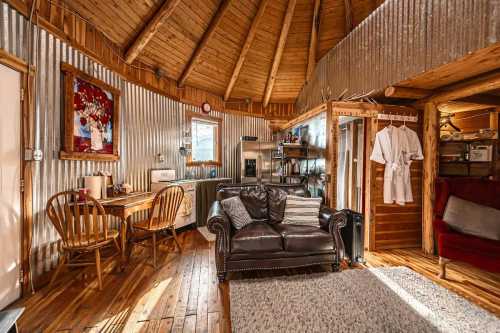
{"points": [[91, 118]]}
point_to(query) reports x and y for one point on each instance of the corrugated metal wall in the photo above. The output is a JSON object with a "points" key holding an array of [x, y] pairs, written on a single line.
{"points": [[399, 40], [151, 124]]}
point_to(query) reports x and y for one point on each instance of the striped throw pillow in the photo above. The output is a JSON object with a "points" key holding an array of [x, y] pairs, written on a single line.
{"points": [[300, 210]]}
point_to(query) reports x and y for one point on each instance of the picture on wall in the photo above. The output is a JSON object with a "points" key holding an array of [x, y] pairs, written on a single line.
{"points": [[91, 117]]}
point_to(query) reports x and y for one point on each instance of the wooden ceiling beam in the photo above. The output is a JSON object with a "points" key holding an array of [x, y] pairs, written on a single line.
{"points": [[479, 85], [246, 47], [348, 16], [313, 42], [287, 22], [484, 99], [207, 35], [406, 93], [457, 107], [150, 29]]}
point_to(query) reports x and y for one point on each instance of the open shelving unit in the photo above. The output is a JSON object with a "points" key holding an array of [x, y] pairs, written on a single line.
{"points": [[466, 168], [287, 152]]}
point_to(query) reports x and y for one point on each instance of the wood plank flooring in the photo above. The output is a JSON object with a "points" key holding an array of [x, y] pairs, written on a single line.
{"points": [[183, 295]]}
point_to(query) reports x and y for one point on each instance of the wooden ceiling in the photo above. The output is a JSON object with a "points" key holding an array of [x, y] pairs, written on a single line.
{"points": [[240, 49]]}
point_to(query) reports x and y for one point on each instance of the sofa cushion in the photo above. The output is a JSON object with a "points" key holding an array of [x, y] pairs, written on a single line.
{"points": [[482, 191], [256, 237], [470, 218], [236, 211], [304, 238], [480, 252], [276, 194], [277, 200], [255, 201], [300, 210], [225, 191]]}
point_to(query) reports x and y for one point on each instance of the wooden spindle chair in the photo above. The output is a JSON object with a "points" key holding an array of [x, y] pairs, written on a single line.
{"points": [[82, 224], [161, 218]]}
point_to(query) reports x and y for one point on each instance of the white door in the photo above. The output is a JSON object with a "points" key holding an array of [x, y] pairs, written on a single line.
{"points": [[10, 178]]}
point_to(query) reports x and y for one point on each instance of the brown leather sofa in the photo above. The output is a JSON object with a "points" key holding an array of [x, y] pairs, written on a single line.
{"points": [[267, 243]]}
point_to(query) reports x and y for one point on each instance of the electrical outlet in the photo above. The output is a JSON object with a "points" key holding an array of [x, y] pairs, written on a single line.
{"points": [[33, 155]]}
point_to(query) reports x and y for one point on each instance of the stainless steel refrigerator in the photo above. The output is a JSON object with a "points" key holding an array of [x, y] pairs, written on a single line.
{"points": [[255, 162]]}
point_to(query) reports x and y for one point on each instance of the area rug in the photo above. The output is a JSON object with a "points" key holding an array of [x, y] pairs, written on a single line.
{"points": [[394, 299]]}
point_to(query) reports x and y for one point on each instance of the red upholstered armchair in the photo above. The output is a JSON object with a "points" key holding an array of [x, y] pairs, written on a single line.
{"points": [[452, 245]]}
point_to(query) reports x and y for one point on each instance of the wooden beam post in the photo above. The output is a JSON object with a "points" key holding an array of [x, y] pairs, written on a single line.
{"points": [[369, 184], [245, 48], [408, 93], [313, 42], [214, 23], [328, 154], [287, 22], [431, 135], [331, 159], [494, 119], [150, 29]]}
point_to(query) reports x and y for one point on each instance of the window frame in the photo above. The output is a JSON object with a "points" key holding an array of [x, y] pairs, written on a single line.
{"points": [[190, 116]]}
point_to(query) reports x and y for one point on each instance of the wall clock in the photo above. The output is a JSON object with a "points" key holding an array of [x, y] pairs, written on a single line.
{"points": [[206, 107]]}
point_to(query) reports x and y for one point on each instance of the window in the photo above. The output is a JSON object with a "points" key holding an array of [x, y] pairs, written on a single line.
{"points": [[205, 140]]}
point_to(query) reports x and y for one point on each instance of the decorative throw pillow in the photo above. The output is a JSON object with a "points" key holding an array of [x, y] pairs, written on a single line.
{"points": [[470, 218], [236, 211], [300, 210]]}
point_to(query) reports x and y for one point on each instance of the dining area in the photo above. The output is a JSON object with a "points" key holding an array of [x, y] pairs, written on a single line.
{"points": [[84, 226], [125, 264]]}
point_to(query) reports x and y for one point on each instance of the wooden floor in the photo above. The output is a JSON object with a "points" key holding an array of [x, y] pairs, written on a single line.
{"points": [[184, 296]]}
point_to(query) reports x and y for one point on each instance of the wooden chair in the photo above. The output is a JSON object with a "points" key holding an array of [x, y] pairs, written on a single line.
{"points": [[161, 218], [83, 227]]}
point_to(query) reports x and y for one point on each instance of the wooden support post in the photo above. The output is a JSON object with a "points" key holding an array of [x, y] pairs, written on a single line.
{"points": [[332, 132], [494, 119], [369, 184], [431, 135], [494, 124]]}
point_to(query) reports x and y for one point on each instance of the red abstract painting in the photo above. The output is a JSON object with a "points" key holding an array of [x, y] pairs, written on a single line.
{"points": [[93, 118]]}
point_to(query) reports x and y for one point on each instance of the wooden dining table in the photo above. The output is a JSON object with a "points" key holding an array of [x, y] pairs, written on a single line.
{"points": [[123, 207]]}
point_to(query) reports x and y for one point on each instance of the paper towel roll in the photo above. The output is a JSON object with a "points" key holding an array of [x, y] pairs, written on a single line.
{"points": [[93, 184], [104, 187]]}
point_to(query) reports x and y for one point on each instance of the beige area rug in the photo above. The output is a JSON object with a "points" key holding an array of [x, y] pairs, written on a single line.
{"points": [[394, 299], [210, 237]]}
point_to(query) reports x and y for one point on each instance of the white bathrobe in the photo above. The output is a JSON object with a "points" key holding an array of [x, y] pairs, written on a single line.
{"points": [[412, 150], [388, 149]]}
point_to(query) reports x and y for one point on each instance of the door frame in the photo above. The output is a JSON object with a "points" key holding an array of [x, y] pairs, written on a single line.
{"points": [[27, 142]]}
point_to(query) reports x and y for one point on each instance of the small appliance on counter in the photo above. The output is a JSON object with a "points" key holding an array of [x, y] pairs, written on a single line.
{"points": [[97, 186], [187, 211], [481, 153]]}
